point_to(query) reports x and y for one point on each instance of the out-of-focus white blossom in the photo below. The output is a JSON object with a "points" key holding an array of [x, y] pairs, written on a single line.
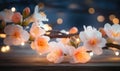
{"points": [[92, 40]]}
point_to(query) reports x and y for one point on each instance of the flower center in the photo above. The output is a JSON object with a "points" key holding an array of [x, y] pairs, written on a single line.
{"points": [[115, 34], [16, 34], [42, 42], [92, 41]]}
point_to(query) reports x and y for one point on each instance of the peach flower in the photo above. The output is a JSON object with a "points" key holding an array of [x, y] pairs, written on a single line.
{"points": [[92, 40], [40, 44], [6, 15], [26, 12], [36, 31], [80, 55], [73, 30], [17, 17], [15, 35], [113, 32], [55, 56]]}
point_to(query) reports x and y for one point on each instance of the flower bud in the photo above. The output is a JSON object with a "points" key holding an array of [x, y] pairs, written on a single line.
{"points": [[17, 18], [26, 12]]}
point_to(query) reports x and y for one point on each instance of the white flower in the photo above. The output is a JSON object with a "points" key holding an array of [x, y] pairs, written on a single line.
{"points": [[57, 45], [6, 15], [92, 39], [57, 51], [15, 35], [113, 32], [39, 16], [55, 56]]}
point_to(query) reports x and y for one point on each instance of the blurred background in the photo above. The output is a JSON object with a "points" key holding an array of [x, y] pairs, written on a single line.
{"points": [[64, 14]]}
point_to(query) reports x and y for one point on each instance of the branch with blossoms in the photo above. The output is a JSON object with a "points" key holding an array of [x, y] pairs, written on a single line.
{"points": [[70, 43]]}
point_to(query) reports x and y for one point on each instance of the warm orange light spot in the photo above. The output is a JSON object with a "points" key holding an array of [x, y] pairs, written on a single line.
{"points": [[2, 35], [92, 41], [115, 21], [100, 18], [59, 21], [111, 17], [73, 30], [91, 10], [5, 49]]}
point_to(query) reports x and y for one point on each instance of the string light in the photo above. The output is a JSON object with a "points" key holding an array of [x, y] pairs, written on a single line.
{"points": [[13, 9], [91, 53], [5, 49], [117, 53], [22, 43], [2, 35], [77, 40]]}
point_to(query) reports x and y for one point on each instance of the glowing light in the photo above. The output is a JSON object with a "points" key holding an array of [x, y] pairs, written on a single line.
{"points": [[64, 31], [2, 35], [100, 18], [115, 21], [22, 43], [13, 9], [78, 40], [59, 21], [91, 10], [111, 17], [47, 27], [117, 53], [91, 53], [5, 49], [27, 27]]}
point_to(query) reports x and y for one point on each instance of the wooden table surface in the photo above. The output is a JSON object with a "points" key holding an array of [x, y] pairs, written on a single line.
{"points": [[25, 59]]}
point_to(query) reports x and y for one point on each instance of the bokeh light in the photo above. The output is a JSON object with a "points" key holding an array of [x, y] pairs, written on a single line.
{"points": [[115, 21], [13, 9], [111, 17], [59, 21], [100, 18], [91, 10]]}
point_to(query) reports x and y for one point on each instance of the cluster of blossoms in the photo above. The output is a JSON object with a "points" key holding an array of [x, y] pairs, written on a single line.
{"points": [[91, 39]]}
